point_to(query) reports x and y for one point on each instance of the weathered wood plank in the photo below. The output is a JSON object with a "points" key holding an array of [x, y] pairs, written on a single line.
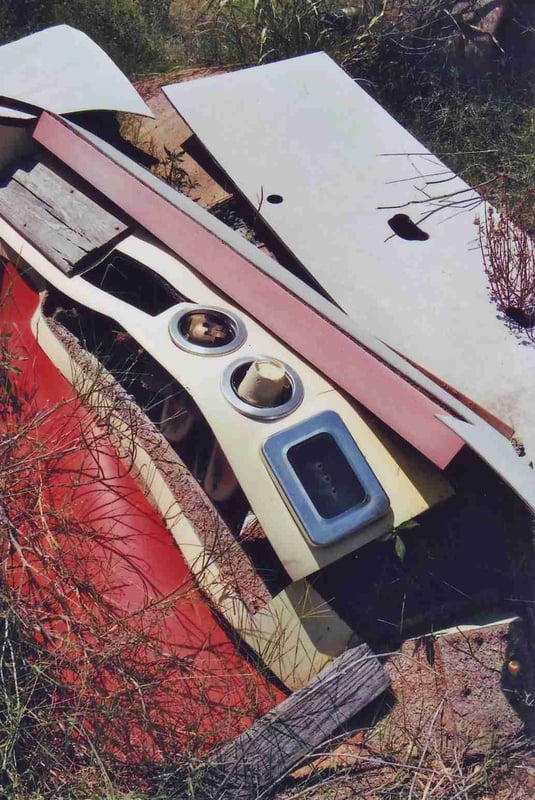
{"points": [[277, 742], [63, 219]]}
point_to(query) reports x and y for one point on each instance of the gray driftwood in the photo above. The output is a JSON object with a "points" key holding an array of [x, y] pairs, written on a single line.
{"points": [[253, 763], [59, 215]]}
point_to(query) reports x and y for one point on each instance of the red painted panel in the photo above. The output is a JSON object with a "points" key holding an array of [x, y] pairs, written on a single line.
{"points": [[86, 527], [387, 395]]}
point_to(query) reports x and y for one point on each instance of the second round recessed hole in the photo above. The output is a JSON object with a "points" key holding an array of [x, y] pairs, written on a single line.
{"points": [[239, 374], [275, 199]]}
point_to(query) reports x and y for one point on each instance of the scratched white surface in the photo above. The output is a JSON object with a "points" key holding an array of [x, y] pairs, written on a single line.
{"points": [[60, 69], [305, 130]]}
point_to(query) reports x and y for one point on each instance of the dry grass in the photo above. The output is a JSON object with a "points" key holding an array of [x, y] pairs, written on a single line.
{"points": [[85, 685], [506, 774], [509, 256], [96, 693]]}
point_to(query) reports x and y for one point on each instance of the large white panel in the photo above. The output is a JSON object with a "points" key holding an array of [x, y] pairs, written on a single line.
{"points": [[304, 130]]}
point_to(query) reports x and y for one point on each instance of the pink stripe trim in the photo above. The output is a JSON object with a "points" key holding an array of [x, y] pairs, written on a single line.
{"points": [[387, 395]]}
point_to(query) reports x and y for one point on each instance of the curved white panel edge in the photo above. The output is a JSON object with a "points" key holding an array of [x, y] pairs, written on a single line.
{"points": [[11, 114], [61, 69]]}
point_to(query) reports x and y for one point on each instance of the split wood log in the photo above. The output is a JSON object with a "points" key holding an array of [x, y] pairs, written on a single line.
{"points": [[60, 216], [248, 767]]}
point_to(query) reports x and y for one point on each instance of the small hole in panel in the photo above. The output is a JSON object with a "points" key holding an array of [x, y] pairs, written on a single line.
{"points": [[405, 228], [275, 199]]}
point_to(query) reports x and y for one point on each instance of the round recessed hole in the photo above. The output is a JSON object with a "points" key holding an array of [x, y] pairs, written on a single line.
{"points": [[240, 390], [275, 199], [206, 330], [280, 396]]}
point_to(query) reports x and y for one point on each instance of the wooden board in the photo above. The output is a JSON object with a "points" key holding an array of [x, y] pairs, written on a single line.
{"points": [[295, 729], [58, 217], [343, 169]]}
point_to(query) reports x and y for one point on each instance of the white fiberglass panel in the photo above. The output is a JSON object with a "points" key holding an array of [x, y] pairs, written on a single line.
{"points": [[328, 170]]}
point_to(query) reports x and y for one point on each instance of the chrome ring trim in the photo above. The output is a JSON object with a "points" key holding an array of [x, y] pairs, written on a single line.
{"points": [[238, 328], [254, 412]]}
